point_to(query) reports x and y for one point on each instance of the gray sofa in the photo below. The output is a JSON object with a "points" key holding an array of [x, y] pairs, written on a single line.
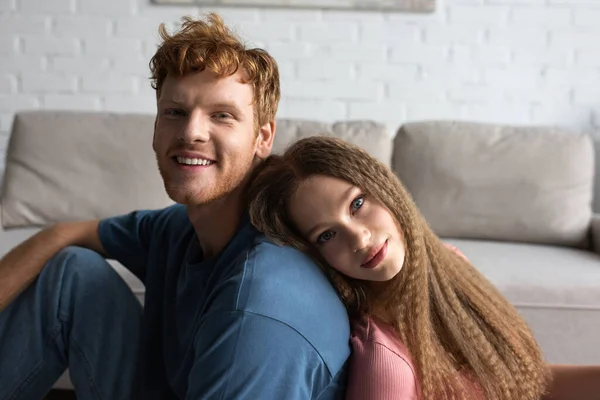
{"points": [[516, 200]]}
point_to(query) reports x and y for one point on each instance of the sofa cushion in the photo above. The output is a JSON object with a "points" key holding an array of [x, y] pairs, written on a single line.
{"points": [[472, 180], [64, 166], [556, 289], [371, 136]]}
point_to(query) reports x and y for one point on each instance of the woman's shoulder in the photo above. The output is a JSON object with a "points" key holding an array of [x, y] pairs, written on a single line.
{"points": [[380, 367], [368, 328], [368, 333]]}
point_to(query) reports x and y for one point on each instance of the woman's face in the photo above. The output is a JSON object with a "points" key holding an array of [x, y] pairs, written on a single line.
{"points": [[355, 234]]}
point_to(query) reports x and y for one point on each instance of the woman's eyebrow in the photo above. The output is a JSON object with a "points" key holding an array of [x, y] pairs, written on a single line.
{"points": [[312, 231], [343, 199], [347, 194]]}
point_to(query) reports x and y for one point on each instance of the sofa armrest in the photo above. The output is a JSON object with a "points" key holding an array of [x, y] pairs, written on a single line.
{"points": [[595, 233]]}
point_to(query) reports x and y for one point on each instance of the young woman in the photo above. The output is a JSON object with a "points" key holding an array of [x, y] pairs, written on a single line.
{"points": [[426, 323]]}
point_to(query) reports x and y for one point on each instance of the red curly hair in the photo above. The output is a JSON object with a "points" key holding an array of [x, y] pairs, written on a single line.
{"points": [[211, 44]]}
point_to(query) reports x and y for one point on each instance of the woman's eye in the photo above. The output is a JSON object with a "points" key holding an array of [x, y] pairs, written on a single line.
{"points": [[357, 203], [324, 237]]}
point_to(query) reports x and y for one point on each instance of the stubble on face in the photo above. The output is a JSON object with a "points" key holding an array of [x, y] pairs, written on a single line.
{"points": [[211, 116]]}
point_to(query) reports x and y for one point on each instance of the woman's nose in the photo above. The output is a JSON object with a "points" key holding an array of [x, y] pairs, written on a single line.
{"points": [[361, 236]]}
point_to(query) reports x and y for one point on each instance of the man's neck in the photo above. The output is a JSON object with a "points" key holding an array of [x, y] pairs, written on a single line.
{"points": [[216, 223]]}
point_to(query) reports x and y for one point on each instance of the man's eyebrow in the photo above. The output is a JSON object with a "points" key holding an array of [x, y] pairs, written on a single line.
{"points": [[225, 106], [172, 100]]}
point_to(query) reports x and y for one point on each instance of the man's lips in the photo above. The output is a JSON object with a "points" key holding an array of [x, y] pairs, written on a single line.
{"points": [[376, 256], [190, 154], [193, 161]]}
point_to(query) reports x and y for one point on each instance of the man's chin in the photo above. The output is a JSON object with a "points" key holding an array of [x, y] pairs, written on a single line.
{"points": [[191, 199], [185, 197]]}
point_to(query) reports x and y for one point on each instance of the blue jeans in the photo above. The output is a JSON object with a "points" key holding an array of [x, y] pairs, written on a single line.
{"points": [[80, 314]]}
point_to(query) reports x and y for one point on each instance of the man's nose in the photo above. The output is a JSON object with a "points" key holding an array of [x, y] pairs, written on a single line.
{"points": [[196, 129]]}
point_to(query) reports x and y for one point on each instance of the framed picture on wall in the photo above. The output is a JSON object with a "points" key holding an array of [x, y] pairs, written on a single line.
{"points": [[374, 5]]}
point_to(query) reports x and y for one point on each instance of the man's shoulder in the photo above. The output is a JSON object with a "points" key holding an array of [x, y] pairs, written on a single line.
{"points": [[272, 262], [281, 293], [170, 224], [282, 272], [169, 217], [265, 250], [283, 284], [150, 219]]}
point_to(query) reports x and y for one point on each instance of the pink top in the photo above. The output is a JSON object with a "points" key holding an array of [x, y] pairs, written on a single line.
{"points": [[380, 365]]}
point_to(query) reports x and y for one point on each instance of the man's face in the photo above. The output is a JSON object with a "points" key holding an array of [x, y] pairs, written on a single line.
{"points": [[205, 139]]}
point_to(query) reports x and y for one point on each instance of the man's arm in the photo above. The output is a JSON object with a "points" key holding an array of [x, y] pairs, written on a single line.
{"points": [[241, 355], [581, 382], [20, 266]]}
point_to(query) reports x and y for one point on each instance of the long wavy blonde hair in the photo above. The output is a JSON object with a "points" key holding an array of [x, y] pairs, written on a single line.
{"points": [[458, 328]]}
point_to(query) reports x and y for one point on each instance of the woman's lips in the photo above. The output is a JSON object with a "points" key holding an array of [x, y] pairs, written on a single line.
{"points": [[377, 258]]}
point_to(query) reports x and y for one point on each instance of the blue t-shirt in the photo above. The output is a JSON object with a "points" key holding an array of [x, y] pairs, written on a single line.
{"points": [[258, 321]]}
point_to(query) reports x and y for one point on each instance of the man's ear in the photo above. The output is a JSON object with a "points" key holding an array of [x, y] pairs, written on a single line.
{"points": [[154, 134], [264, 140]]}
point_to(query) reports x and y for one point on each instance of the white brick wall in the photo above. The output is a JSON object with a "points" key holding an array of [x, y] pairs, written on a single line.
{"points": [[511, 61]]}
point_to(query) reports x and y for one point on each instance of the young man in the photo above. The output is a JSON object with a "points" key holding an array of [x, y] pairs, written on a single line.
{"points": [[227, 314]]}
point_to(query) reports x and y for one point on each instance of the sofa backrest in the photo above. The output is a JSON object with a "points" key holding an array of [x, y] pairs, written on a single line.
{"points": [[485, 181], [470, 180], [371, 136], [63, 166]]}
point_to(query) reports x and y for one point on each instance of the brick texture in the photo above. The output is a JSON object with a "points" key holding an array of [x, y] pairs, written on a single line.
{"points": [[510, 61]]}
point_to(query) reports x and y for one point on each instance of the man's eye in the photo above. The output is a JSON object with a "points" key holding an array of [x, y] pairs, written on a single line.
{"points": [[325, 236], [174, 112], [222, 115]]}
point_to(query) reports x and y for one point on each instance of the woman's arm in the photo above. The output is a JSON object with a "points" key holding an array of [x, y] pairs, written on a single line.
{"points": [[581, 382]]}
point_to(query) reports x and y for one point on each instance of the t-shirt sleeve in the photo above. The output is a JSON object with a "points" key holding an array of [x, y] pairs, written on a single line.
{"points": [[379, 373], [242, 355], [126, 238]]}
